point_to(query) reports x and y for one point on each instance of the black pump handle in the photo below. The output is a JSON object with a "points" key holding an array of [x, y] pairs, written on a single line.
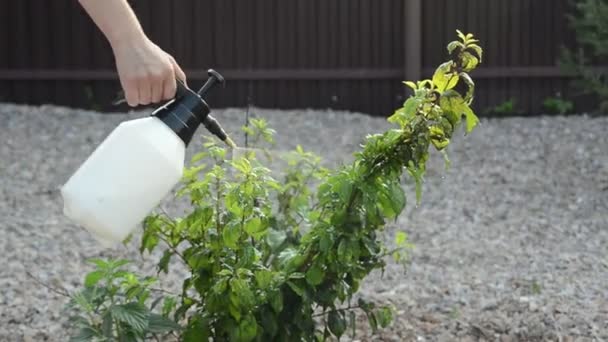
{"points": [[214, 78]]}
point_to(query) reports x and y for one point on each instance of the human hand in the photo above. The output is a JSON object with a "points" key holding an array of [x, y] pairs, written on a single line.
{"points": [[147, 73]]}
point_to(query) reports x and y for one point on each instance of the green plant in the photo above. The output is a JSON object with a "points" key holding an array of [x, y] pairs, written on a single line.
{"points": [[557, 105], [273, 260], [113, 306], [589, 23], [506, 108]]}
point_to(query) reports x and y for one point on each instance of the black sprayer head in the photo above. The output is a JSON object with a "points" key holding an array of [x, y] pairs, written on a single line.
{"points": [[188, 110]]}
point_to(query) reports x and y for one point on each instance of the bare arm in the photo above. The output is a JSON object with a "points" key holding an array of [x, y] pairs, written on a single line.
{"points": [[147, 73]]}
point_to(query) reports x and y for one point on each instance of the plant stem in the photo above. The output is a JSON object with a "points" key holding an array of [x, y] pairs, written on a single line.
{"points": [[62, 292], [163, 237], [348, 308]]}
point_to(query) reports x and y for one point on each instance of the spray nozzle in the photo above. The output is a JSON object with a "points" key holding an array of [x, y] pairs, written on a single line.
{"points": [[209, 121]]}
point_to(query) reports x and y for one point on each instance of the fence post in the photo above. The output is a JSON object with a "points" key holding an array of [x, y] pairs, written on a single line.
{"points": [[413, 40]]}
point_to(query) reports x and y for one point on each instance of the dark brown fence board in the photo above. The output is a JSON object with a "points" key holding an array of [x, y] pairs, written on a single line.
{"points": [[345, 54]]}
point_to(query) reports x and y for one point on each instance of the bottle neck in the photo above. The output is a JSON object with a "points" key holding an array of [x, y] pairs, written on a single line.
{"points": [[183, 115]]}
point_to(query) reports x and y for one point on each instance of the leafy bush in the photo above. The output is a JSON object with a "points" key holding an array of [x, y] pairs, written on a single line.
{"points": [[589, 22], [506, 108], [272, 260], [557, 105], [113, 306]]}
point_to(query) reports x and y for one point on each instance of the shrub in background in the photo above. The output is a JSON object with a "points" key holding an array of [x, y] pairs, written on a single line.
{"points": [[274, 260], [589, 22]]}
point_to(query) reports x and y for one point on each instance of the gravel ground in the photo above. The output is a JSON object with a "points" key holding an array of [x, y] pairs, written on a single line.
{"points": [[511, 242]]}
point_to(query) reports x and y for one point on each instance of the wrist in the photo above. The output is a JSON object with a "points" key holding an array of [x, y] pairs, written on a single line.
{"points": [[126, 37]]}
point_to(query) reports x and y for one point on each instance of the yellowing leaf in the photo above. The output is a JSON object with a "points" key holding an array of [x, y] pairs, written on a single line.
{"points": [[405, 114], [477, 49], [453, 45], [468, 98], [461, 35], [470, 62], [411, 84], [438, 138], [444, 78], [471, 118]]}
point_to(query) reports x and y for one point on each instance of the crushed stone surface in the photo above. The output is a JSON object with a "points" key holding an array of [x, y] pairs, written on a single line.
{"points": [[511, 242]]}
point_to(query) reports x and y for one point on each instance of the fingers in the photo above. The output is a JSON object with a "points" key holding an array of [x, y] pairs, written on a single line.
{"points": [[131, 91], [157, 84], [148, 75], [145, 92], [169, 87]]}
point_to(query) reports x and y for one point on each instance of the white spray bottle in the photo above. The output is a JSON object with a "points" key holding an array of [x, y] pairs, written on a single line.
{"points": [[137, 165]]}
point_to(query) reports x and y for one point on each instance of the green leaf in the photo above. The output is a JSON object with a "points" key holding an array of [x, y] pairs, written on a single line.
{"points": [[405, 114], [337, 323], [325, 242], [233, 204], [101, 264], [132, 314], [344, 253], [231, 235], [198, 330], [263, 278], [401, 239], [158, 324], [85, 334], [276, 301], [93, 278], [169, 304], [471, 118], [233, 309], [315, 275], [243, 165], [149, 241], [269, 322], [444, 78], [275, 239], [417, 174], [296, 288], [254, 227], [384, 317], [391, 199], [296, 275], [248, 329], [163, 264], [344, 189], [244, 297]]}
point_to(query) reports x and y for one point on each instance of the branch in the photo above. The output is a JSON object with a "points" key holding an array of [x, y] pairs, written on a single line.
{"points": [[62, 292], [348, 308], [162, 236]]}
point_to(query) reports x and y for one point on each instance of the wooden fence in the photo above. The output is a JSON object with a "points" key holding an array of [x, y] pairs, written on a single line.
{"points": [[343, 54]]}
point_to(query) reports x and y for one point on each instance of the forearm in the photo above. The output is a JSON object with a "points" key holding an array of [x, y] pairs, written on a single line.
{"points": [[115, 19]]}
